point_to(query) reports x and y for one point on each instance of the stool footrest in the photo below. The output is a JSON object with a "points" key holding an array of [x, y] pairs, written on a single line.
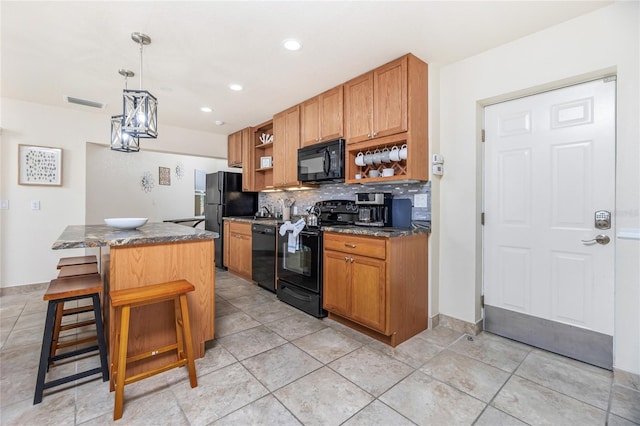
{"points": [[149, 354], [74, 353], [76, 342], [78, 310], [73, 377], [77, 325], [159, 370]]}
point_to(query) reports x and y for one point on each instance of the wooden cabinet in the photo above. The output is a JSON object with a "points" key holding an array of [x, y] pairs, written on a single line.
{"points": [[262, 173], [322, 118], [247, 159], [286, 141], [384, 108], [377, 285], [234, 149], [376, 102], [238, 251]]}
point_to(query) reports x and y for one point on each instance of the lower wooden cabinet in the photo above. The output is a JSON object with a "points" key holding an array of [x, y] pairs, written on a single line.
{"points": [[237, 248], [377, 285]]}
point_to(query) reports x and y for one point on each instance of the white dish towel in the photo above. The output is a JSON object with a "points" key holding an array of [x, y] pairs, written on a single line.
{"points": [[295, 228]]}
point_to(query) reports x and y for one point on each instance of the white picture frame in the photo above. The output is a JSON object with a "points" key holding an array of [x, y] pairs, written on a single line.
{"points": [[266, 162], [39, 165]]}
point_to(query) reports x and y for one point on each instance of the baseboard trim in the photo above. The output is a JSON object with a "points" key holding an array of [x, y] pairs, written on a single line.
{"points": [[456, 324], [22, 289]]}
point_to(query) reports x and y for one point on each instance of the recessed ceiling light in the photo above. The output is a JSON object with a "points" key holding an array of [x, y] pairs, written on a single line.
{"points": [[291, 44], [219, 123], [205, 109], [235, 87]]}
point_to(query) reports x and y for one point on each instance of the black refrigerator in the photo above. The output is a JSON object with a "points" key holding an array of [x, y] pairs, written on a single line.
{"points": [[224, 197]]}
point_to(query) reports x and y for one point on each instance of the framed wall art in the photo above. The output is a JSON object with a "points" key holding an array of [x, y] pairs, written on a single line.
{"points": [[164, 177], [39, 165]]}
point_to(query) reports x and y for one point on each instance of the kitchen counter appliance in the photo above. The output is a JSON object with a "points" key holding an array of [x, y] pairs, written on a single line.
{"points": [[300, 272], [374, 208], [263, 249]]}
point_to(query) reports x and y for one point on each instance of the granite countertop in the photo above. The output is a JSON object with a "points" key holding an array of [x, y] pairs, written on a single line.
{"points": [[418, 227], [387, 232], [79, 236]]}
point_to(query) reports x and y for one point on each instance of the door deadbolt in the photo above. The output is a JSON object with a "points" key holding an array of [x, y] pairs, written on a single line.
{"points": [[602, 219]]}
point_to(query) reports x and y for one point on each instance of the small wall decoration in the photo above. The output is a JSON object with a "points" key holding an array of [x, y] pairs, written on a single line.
{"points": [[147, 182], [179, 170], [39, 165], [164, 175]]}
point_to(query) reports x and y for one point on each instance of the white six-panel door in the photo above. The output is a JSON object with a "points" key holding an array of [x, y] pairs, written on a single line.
{"points": [[549, 166]]}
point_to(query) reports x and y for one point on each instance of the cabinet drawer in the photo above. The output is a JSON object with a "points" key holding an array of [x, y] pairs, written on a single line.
{"points": [[243, 228], [355, 244]]}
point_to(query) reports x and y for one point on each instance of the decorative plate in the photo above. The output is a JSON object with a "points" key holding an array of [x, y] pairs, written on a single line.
{"points": [[147, 182]]}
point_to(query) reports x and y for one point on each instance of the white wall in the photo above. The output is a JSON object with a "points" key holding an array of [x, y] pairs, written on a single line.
{"points": [[114, 189], [603, 41], [25, 248]]}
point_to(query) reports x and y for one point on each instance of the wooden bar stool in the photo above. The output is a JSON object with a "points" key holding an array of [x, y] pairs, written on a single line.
{"points": [[59, 292], [77, 260], [123, 301]]}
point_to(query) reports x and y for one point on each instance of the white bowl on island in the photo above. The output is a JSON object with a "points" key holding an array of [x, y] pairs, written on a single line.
{"points": [[126, 222]]}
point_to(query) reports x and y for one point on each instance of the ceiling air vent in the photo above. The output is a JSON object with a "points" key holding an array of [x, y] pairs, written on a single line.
{"points": [[84, 102]]}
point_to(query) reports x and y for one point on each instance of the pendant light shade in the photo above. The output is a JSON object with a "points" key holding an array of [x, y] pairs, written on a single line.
{"points": [[121, 141], [139, 117], [140, 114]]}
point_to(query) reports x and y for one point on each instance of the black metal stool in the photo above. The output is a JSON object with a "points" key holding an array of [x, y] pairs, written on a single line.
{"points": [[61, 291]]}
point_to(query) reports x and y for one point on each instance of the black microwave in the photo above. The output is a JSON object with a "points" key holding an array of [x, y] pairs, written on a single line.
{"points": [[322, 163]]}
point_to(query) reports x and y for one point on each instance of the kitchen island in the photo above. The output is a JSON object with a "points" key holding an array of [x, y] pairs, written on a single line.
{"points": [[151, 254]]}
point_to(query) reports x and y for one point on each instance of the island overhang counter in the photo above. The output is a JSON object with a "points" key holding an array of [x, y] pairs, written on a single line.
{"points": [[152, 254]]}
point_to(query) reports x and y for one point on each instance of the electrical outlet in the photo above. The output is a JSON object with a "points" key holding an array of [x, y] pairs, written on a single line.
{"points": [[35, 205], [4, 204], [420, 200]]}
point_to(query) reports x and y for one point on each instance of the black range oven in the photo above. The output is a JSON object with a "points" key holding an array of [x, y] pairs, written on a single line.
{"points": [[300, 272], [300, 267]]}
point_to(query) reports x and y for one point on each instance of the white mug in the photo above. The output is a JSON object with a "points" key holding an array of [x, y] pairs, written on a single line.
{"points": [[394, 154], [384, 155], [374, 173], [358, 176], [403, 152], [377, 159], [368, 158], [388, 172], [360, 159]]}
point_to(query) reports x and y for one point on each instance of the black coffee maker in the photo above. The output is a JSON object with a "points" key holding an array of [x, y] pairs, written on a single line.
{"points": [[374, 208]]}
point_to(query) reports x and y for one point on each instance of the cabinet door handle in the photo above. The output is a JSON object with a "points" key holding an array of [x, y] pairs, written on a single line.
{"points": [[375, 134], [350, 245], [351, 259], [368, 135], [346, 258]]}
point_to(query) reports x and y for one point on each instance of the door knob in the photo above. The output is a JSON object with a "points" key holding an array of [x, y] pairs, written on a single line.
{"points": [[600, 239]]}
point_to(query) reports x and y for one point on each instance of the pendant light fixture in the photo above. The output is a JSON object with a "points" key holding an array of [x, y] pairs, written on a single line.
{"points": [[140, 107], [121, 141]]}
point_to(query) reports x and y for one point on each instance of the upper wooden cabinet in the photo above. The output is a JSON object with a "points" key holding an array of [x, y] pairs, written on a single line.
{"points": [[387, 109], [286, 141], [234, 149], [321, 117], [376, 102]]}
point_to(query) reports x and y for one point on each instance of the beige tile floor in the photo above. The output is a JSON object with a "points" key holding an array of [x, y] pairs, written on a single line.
{"points": [[271, 364]]}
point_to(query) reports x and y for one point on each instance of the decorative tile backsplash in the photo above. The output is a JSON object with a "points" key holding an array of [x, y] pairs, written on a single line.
{"points": [[339, 191]]}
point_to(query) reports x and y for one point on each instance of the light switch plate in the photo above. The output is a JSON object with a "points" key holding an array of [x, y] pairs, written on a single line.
{"points": [[420, 200], [4, 204], [35, 205]]}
